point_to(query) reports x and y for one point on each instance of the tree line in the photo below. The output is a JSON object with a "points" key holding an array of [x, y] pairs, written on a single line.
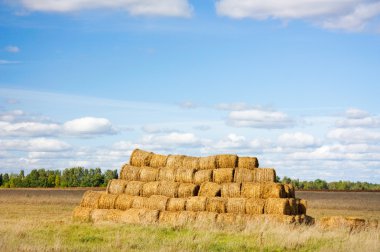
{"points": [[69, 177]]}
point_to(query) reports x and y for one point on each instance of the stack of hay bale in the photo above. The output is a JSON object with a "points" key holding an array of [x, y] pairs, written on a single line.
{"points": [[178, 189]]}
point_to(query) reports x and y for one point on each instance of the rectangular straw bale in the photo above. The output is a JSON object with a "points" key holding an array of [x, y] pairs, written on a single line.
{"points": [[196, 204], [191, 163], [223, 175], [254, 206], [277, 206], [139, 202], [244, 175], [216, 204], [248, 162], [90, 199], [263, 190], [130, 173], [116, 186], [150, 188], [140, 158], [206, 219], [169, 189], [157, 202], [203, 176], [176, 204], [185, 175], [289, 190], [134, 188], [187, 190], [158, 161], [231, 190], [148, 174], [124, 202], [265, 175], [175, 161], [168, 218], [302, 205], [226, 161], [236, 205], [107, 201], [210, 189], [167, 174], [207, 163], [82, 214], [251, 190]]}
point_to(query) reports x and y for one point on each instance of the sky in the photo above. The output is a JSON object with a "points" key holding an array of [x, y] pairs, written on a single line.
{"points": [[293, 82]]}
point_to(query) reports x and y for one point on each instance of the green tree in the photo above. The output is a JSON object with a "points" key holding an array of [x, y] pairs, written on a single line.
{"points": [[57, 181], [1, 179]]}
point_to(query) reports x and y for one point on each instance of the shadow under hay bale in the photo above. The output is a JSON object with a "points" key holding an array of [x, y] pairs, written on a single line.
{"points": [[90, 199], [158, 161], [150, 188], [203, 176], [124, 202], [226, 161], [254, 206], [216, 204], [140, 158], [168, 189], [196, 204], [244, 175], [262, 190], [187, 190], [157, 202], [231, 190], [191, 163], [176, 204], [277, 206], [82, 214], [289, 190], [210, 189], [174, 161], [130, 173], [302, 206], [248, 163], [134, 188], [184, 175], [236, 205], [107, 201], [148, 174], [207, 163], [223, 175], [264, 175], [167, 174], [116, 186]]}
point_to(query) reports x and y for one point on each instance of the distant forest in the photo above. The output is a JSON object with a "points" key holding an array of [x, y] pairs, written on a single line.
{"points": [[81, 177]]}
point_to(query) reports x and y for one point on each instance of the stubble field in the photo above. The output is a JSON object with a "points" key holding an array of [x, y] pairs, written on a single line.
{"points": [[40, 220]]}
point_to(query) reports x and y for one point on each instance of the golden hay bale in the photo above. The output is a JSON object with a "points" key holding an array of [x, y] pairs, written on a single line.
{"points": [[82, 214], [134, 188], [176, 204], [186, 217], [139, 216], [302, 205], [277, 206], [207, 163], [148, 216], [226, 161], [196, 204], [168, 218], [139, 202], [167, 174], [205, 219], [124, 202], [191, 163], [236, 205], [157, 202], [185, 175], [107, 201], [216, 204], [168, 189], [116, 186], [174, 161], [187, 190], [148, 174], [158, 161], [248, 162], [254, 206], [229, 219], [263, 190], [289, 190], [264, 175], [231, 190], [244, 175], [140, 158], [99, 215], [90, 199], [203, 176], [210, 189], [150, 188], [130, 173], [223, 175], [341, 222]]}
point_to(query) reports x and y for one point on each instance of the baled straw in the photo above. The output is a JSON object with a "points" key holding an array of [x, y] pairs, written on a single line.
{"points": [[341, 222], [236, 205], [174, 161], [147, 216], [265, 175], [139, 202], [131, 216], [244, 175], [90, 199], [210, 189], [262, 190], [223, 175], [134, 188], [99, 215], [148, 174], [82, 214], [168, 218], [205, 219], [254, 206], [124, 202], [231, 190], [289, 190], [226, 161], [302, 205], [140, 158], [248, 162], [277, 206], [185, 175], [150, 188], [168, 189], [196, 204], [157, 202], [187, 190], [107, 201], [203, 176], [167, 174], [230, 219], [216, 204], [130, 173], [186, 217], [116, 186], [158, 161], [191, 163], [207, 163], [293, 206], [176, 204]]}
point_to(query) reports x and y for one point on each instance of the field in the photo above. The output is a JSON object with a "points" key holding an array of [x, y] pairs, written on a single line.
{"points": [[40, 220]]}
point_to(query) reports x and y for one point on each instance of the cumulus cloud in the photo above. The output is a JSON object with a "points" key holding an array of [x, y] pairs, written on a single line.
{"points": [[154, 129], [12, 49], [28, 129], [354, 135], [297, 140], [35, 145], [172, 139], [358, 118], [171, 8], [88, 126], [351, 15]]}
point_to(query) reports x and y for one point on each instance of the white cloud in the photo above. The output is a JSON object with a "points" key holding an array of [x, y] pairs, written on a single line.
{"points": [[154, 129], [259, 118], [35, 145], [12, 49], [171, 8], [88, 126], [297, 140], [188, 105], [354, 135], [358, 118], [232, 106], [28, 129], [10, 116], [172, 139], [354, 113], [351, 15]]}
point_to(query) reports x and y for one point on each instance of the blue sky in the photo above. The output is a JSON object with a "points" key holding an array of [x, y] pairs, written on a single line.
{"points": [[292, 82]]}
